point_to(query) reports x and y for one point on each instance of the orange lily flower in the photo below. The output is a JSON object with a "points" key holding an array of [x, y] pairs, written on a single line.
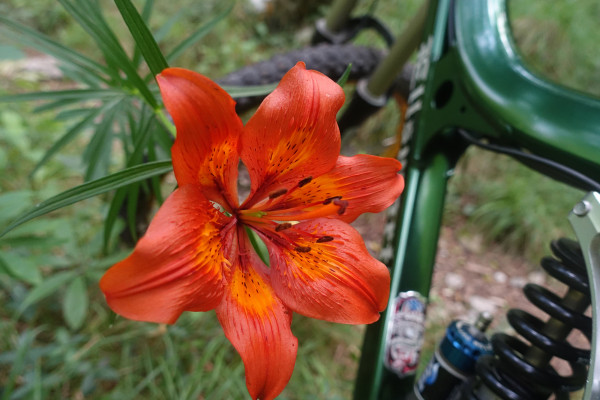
{"points": [[197, 255]]}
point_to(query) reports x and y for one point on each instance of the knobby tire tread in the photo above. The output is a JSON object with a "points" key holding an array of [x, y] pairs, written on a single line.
{"points": [[331, 60]]}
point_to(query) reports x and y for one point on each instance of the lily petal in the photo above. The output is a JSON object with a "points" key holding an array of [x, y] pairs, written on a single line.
{"points": [[206, 150], [322, 269], [293, 134], [258, 325], [177, 266], [364, 183]]}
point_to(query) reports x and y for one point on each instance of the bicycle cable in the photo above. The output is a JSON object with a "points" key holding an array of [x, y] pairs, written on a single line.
{"points": [[552, 168]]}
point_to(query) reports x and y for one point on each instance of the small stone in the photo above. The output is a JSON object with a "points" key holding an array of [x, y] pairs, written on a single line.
{"points": [[482, 304], [537, 277], [474, 244], [518, 281], [454, 280], [447, 292], [500, 277]]}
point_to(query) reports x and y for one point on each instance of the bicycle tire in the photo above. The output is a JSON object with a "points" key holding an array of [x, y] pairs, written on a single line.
{"points": [[330, 59]]}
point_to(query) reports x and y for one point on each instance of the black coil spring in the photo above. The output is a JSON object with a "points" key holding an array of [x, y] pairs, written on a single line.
{"points": [[518, 370]]}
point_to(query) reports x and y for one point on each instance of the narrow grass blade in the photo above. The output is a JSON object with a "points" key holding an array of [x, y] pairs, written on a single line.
{"points": [[97, 153], [142, 133], [249, 91], [56, 95], [113, 214], [198, 34], [28, 37], [146, 13], [345, 75], [142, 36], [91, 189], [68, 137], [89, 16], [132, 206], [24, 344], [46, 288]]}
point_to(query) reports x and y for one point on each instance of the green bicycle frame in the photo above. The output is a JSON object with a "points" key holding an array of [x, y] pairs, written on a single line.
{"points": [[468, 75]]}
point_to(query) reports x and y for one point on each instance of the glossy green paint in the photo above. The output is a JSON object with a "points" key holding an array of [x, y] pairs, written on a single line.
{"points": [[475, 80], [527, 110], [417, 224], [421, 212]]}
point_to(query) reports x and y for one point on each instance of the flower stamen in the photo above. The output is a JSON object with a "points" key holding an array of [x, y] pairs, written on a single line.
{"points": [[342, 204], [277, 193], [283, 226], [330, 199]]}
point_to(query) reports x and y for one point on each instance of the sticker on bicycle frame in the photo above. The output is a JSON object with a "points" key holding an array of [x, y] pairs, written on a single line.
{"points": [[415, 103], [405, 334]]}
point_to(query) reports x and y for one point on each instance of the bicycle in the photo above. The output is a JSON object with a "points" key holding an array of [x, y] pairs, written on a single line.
{"points": [[460, 96], [456, 101]]}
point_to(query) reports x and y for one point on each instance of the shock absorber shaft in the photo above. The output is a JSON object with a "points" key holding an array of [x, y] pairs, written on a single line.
{"points": [[556, 329]]}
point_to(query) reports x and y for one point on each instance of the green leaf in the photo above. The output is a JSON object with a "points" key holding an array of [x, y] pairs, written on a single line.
{"points": [[56, 95], [197, 35], [97, 153], [142, 36], [259, 246], [22, 268], [14, 203], [26, 36], [19, 362], [89, 16], [146, 13], [75, 303], [93, 188], [46, 288], [132, 206], [142, 133], [248, 91], [69, 136], [345, 75], [113, 214]]}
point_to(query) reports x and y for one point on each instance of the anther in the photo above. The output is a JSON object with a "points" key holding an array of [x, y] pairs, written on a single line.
{"points": [[283, 226], [324, 239], [305, 181], [342, 204], [302, 249], [330, 199], [278, 193]]}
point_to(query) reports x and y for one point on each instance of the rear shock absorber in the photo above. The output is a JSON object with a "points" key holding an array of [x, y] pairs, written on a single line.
{"points": [[520, 370]]}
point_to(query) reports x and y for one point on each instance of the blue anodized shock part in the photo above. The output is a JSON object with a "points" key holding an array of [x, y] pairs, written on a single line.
{"points": [[454, 360]]}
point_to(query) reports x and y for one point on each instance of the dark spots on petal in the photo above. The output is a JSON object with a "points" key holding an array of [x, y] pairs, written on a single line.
{"points": [[324, 239], [302, 249], [278, 193], [305, 181]]}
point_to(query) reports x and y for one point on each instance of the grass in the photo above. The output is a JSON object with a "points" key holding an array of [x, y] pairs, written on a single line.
{"points": [[48, 350]]}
